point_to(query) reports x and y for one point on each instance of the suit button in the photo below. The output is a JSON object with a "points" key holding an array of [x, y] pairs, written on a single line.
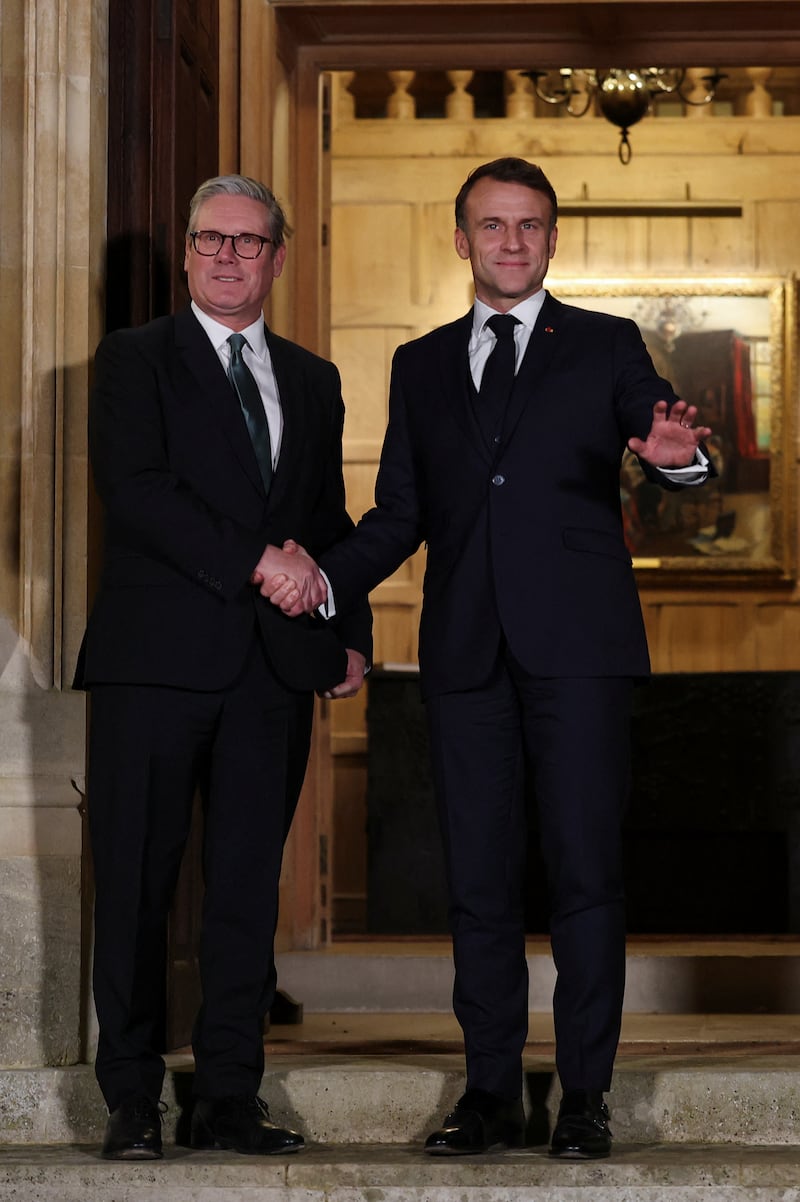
{"points": [[498, 480]]}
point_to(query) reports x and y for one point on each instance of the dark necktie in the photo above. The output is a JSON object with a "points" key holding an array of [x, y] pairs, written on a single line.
{"points": [[246, 390], [498, 376]]}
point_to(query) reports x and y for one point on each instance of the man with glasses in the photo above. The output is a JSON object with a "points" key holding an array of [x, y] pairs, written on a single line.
{"points": [[212, 440]]}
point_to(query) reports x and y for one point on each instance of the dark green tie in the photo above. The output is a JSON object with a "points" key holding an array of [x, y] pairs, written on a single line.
{"points": [[246, 389]]}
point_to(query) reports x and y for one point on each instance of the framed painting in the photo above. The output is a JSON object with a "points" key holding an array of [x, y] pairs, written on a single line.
{"points": [[729, 347]]}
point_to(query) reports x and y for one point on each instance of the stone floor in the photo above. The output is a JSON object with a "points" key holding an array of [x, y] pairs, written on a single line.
{"points": [[353, 1034]]}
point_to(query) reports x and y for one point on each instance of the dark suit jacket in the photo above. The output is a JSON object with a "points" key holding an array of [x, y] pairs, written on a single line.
{"points": [[524, 539], [187, 517]]}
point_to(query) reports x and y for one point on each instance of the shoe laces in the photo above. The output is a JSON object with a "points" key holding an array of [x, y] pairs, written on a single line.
{"points": [[249, 1103], [143, 1107]]}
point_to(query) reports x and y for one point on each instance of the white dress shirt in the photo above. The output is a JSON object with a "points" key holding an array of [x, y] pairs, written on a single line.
{"points": [[483, 338]]}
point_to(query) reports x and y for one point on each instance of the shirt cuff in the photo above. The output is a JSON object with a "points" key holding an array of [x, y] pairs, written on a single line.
{"points": [[693, 473], [328, 608]]}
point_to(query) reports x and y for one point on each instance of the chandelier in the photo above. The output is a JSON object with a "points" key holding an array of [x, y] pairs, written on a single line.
{"points": [[669, 317], [623, 95]]}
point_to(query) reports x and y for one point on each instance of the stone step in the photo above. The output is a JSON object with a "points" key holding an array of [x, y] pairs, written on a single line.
{"points": [[705, 1106], [749, 1098], [659, 1173], [664, 976]]}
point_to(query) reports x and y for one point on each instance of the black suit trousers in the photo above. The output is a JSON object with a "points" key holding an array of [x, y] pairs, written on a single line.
{"points": [[573, 735], [150, 748]]}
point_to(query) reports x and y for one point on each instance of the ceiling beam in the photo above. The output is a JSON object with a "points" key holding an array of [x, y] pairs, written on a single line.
{"points": [[503, 34]]}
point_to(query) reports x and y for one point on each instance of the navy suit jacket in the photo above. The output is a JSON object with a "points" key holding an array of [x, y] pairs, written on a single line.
{"points": [[187, 518], [524, 539]]}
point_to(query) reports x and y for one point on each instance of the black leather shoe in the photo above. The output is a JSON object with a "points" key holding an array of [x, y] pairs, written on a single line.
{"points": [[582, 1131], [480, 1122], [133, 1130], [241, 1123]]}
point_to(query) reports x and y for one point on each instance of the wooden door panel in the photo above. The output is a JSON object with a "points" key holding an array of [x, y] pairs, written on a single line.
{"points": [[163, 141]]}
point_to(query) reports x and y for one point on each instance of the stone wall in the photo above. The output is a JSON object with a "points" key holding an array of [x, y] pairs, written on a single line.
{"points": [[52, 161]]}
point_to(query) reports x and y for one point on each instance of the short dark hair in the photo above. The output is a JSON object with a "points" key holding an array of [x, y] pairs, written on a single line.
{"points": [[242, 185], [508, 171]]}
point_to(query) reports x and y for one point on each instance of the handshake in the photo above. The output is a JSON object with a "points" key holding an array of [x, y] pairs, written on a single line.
{"points": [[290, 579]]}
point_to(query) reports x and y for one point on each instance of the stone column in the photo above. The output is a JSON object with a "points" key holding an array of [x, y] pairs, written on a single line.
{"points": [[53, 163]]}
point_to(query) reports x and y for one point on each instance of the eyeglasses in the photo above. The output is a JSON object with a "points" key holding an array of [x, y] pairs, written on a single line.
{"points": [[211, 242]]}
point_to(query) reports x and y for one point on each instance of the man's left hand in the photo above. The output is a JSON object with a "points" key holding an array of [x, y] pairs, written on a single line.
{"points": [[356, 667], [673, 438]]}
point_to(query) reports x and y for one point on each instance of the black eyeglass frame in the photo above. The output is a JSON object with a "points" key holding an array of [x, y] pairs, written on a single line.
{"points": [[195, 234]]}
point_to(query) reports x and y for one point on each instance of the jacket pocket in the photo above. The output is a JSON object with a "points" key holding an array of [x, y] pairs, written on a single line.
{"points": [[595, 542]]}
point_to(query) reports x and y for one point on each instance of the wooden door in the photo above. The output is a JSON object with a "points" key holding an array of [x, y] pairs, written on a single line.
{"points": [[163, 141]]}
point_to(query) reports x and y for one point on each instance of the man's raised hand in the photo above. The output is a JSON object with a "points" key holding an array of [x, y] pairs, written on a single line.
{"points": [[673, 438]]}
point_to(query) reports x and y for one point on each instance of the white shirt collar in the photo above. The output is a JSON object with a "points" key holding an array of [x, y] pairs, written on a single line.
{"points": [[526, 311], [219, 334]]}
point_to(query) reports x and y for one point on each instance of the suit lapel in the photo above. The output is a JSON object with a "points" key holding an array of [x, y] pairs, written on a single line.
{"points": [[212, 390], [535, 362], [293, 407], [460, 391], [457, 388]]}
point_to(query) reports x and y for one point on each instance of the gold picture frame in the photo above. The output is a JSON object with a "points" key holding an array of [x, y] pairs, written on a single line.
{"points": [[727, 345]]}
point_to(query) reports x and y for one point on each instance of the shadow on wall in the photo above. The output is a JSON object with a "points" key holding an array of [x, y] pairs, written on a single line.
{"points": [[42, 751]]}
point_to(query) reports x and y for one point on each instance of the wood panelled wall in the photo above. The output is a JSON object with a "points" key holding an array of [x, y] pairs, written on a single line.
{"points": [[395, 275]]}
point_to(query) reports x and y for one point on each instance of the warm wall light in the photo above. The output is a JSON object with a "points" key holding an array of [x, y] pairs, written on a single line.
{"points": [[623, 95]]}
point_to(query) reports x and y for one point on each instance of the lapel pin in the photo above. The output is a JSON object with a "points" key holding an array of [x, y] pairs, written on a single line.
{"points": [[548, 329]]}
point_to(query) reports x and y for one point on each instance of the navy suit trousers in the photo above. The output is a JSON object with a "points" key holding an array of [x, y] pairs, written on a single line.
{"points": [[573, 736]]}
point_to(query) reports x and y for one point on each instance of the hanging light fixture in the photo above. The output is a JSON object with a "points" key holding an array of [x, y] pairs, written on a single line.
{"points": [[624, 95]]}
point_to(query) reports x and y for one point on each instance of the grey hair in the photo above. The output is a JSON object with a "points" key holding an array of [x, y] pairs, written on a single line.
{"points": [[242, 185]]}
